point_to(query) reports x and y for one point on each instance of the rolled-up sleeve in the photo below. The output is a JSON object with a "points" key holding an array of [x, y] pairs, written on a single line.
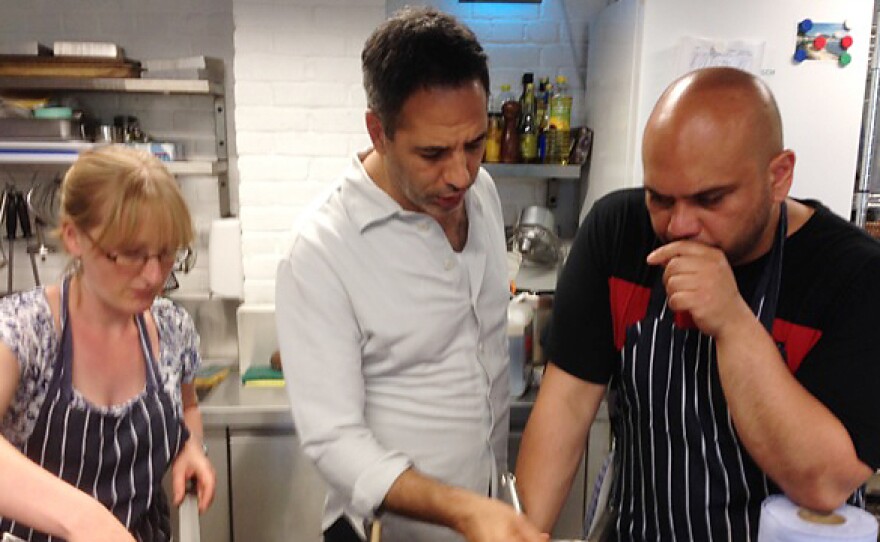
{"points": [[320, 344]]}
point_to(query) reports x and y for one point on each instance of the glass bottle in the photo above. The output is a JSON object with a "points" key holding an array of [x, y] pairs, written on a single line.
{"points": [[510, 136], [528, 126], [544, 120], [528, 78], [495, 126], [493, 138], [541, 99], [560, 119]]}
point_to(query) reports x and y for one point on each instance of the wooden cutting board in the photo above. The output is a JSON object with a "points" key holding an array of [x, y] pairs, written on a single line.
{"points": [[50, 66]]}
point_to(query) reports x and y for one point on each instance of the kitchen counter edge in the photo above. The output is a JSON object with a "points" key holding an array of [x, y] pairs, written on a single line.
{"points": [[233, 406]]}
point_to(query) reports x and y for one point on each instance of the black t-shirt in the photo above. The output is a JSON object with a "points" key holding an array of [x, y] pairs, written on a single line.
{"points": [[827, 321]]}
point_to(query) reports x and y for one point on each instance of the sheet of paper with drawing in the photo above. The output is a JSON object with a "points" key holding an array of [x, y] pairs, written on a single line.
{"points": [[694, 53]]}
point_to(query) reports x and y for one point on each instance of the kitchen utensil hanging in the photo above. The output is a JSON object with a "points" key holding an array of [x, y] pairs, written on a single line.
{"points": [[16, 217], [44, 202]]}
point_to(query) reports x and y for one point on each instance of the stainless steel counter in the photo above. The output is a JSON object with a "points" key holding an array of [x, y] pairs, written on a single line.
{"points": [[234, 406]]}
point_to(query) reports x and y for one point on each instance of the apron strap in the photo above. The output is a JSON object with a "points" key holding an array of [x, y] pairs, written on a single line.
{"points": [[146, 348], [63, 364], [766, 296], [65, 352]]}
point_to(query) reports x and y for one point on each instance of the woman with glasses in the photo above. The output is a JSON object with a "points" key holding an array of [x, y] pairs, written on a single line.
{"points": [[97, 398]]}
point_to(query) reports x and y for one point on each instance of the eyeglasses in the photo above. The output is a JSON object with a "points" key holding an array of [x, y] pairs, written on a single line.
{"points": [[181, 259]]}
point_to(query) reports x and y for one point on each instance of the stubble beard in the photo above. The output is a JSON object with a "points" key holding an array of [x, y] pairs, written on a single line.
{"points": [[758, 225]]}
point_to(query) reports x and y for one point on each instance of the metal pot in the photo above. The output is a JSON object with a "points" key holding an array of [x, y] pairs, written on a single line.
{"points": [[535, 236]]}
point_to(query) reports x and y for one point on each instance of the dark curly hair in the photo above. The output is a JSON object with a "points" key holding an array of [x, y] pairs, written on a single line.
{"points": [[418, 48]]}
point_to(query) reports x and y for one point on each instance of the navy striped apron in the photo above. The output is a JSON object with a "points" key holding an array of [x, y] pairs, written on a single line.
{"points": [[118, 459], [682, 472]]}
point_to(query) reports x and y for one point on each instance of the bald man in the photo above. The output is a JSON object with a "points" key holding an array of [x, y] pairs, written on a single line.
{"points": [[732, 326]]}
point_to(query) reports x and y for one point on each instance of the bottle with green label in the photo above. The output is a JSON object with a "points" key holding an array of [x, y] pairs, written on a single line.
{"points": [[528, 126], [560, 122]]}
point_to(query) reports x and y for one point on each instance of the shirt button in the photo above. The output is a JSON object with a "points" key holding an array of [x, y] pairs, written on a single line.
{"points": [[449, 264], [423, 226], [480, 348]]}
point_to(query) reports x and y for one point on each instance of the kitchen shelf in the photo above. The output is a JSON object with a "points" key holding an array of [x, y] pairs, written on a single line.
{"points": [[67, 155], [189, 296], [182, 168], [112, 84], [66, 152], [535, 171]]}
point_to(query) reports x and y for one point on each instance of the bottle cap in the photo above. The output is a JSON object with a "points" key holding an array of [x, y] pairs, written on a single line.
{"points": [[528, 77]]}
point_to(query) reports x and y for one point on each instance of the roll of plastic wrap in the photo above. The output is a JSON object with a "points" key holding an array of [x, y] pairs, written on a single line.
{"points": [[784, 521], [225, 273]]}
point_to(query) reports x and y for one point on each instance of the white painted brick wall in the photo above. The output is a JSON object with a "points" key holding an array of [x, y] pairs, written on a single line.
{"points": [[300, 113]]}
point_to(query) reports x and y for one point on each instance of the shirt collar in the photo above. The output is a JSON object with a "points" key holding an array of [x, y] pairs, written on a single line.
{"points": [[365, 202]]}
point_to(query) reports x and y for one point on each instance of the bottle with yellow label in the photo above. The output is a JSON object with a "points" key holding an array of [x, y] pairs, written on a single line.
{"points": [[560, 121]]}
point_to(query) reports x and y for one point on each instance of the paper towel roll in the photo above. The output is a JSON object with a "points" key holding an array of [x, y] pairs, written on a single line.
{"points": [[784, 521], [225, 273]]}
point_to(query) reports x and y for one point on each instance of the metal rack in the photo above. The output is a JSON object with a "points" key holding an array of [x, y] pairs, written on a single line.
{"points": [[167, 87], [862, 199]]}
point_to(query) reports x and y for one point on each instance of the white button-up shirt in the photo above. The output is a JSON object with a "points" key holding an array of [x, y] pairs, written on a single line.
{"points": [[395, 348]]}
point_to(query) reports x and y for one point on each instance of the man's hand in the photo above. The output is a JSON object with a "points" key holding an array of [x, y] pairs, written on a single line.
{"points": [[491, 520], [478, 518], [699, 280]]}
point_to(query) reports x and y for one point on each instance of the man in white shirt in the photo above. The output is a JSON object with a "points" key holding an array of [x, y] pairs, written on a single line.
{"points": [[391, 305]]}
